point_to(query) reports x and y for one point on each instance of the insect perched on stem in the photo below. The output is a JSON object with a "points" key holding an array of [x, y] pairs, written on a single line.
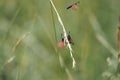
{"points": [[63, 41], [73, 6]]}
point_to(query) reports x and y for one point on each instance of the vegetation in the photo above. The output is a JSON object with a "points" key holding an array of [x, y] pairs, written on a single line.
{"points": [[30, 32]]}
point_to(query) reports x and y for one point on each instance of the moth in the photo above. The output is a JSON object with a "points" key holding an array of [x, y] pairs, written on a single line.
{"points": [[62, 43], [73, 6]]}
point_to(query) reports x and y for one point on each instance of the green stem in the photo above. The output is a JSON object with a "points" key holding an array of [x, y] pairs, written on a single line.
{"points": [[53, 21], [9, 27]]}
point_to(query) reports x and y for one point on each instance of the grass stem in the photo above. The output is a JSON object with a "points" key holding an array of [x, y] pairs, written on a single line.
{"points": [[65, 34]]}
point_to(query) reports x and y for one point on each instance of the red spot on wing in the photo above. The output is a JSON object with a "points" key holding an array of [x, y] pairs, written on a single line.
{"points": [[61, 44], [74, 7]]}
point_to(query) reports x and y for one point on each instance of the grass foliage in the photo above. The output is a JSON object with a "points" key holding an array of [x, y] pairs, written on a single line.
{"points": [[30, 31]]}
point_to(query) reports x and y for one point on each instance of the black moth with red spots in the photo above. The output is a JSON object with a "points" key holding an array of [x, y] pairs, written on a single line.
{"points": [[69, 39], [73, 5]]}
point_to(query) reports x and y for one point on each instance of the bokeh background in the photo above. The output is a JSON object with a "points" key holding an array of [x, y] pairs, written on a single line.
{"points": [[37, 56]]}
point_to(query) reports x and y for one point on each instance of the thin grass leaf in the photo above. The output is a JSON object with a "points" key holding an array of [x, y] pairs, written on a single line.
{"points": [[9, 26], [68, 73], [99, 35], [60, 58], [11, 59], [118, 36], [65, 34], [20, 41]]}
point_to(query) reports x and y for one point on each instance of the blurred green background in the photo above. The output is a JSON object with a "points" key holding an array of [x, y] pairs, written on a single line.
{"points": [[37, 57]]}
